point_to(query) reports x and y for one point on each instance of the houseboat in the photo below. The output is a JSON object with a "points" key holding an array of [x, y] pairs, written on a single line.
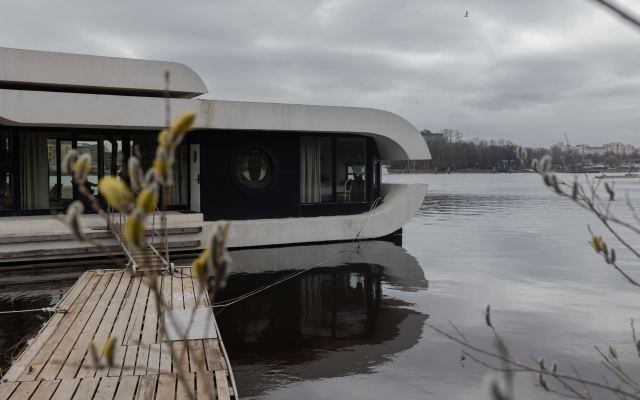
{"points": [[281, 173]]}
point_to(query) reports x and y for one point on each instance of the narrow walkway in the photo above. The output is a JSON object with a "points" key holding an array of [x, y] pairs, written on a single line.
{"points": [[103, 304]]}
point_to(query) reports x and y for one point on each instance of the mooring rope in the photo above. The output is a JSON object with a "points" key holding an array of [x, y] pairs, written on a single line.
{"points": [[365, 225], [45, 309]]}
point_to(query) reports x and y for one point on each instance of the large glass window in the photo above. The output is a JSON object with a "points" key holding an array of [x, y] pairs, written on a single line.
{"points": [[351, 157], [144, 146], [60, 184], [6, 170], [316, 169]]}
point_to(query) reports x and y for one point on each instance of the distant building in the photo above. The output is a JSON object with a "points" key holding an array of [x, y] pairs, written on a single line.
{"points": [[619, 149], [428, 135]]}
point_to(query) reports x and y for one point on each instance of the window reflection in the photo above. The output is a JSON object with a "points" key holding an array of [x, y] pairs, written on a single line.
{"points": [[6, 170], [350, 169], [60, 184]]}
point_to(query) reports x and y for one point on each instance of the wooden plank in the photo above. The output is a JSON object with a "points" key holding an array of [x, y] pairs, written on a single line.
{"points": [[147, 387], [70, 297], [6, 389], [206, 385], [166, 387], [134, 329], [150, 328], [29, 354], [24, 391], [184, 391], [201, 298], [130, 360], [177, 297], [188, 291], [197, 360], [165, 358], [153, 366], [127, 388], [107, 388], [213, 354], [80, 349], [104, 330], [86, 388], [46, 350], [180, 357], [143, 358], [118, 362], [166, 294], [59, 356], [45, 390], [120, 327], [222, 387], [66, 389]]}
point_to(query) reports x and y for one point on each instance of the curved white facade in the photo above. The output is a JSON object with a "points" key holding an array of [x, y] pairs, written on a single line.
{"points": [[62, 70], [25, 102], [395, 137]]}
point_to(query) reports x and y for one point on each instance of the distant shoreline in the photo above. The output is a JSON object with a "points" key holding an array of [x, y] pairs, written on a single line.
{"points": [[490, 171]]}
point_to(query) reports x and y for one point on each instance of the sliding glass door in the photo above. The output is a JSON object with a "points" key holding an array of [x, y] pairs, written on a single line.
{"points": [[332, 169]]}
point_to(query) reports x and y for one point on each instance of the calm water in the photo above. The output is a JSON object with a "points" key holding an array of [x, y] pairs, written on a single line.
{"points": [[354, 327]]}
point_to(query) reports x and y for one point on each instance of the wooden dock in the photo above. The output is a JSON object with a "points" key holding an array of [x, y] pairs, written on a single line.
{"points": [[102, 304]]}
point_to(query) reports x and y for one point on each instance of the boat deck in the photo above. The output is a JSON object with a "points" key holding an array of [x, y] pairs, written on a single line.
{"points": [[102, 304]]}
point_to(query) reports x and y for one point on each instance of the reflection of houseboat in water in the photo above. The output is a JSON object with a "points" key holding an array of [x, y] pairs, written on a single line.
{"points": [[330, 321], [283, 173]]}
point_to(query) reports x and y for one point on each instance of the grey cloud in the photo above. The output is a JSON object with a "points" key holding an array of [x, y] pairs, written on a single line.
{"points": [[525, 71]]}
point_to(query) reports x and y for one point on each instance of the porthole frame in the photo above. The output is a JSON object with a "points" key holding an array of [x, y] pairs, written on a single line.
{"points": [[275, 169]]}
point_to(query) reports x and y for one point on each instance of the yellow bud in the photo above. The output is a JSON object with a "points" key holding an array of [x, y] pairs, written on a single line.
{"points": [[109, 350], [161, 168], [135, 230], [82, 164], [199, 266], [147, 200], [595, 244], [115, 191], [94, 353], [181, 124], [81, 168], [163, 137]]}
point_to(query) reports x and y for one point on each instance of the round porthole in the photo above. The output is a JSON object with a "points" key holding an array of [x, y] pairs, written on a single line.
{"points": [[253, 169]]}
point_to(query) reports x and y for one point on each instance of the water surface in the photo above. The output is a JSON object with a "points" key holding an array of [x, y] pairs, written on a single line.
{"points": [[354, 326]]}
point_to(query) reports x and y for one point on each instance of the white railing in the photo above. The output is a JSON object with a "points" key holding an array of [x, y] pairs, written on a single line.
{"points": [[120, 219]]}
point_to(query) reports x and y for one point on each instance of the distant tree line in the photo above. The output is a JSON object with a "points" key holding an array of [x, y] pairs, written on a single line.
{"points": [[450, 150]]}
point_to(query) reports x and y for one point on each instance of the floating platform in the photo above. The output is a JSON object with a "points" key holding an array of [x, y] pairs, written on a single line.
{"points": [[112, 303]]}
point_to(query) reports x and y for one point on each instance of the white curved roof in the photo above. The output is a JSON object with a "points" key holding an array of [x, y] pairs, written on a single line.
{"points": [[44, 70], [395, 137]]}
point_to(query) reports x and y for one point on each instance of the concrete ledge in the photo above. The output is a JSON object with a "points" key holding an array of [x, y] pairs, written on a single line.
{"points": [[50, 224], [83, 250]]}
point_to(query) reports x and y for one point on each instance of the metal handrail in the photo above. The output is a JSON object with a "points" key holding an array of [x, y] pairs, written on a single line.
{"points": [[123, 218], [166, 232]]}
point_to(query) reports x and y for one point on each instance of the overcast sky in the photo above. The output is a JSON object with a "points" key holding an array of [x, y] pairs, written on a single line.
{"points": [[527, 71]]}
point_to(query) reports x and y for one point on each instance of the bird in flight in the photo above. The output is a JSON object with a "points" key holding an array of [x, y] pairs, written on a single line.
{"points": [[466, 15]]}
